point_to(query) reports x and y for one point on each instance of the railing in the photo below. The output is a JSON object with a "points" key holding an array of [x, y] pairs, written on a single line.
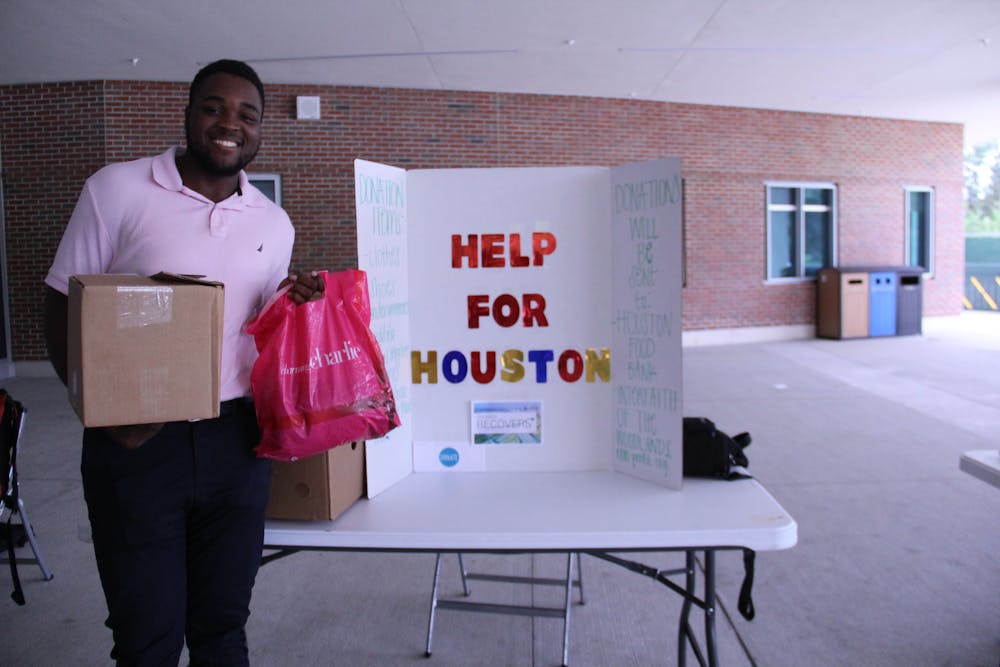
{"points": [[982, 287]]}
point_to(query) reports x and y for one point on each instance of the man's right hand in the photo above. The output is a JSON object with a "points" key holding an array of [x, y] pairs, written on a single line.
{"points": [[133, 436]]}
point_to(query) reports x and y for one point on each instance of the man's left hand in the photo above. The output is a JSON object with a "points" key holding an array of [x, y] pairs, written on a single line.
{"points": [[305, 286]]}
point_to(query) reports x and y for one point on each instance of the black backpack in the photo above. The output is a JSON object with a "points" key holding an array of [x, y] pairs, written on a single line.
{"points": [[708, 452]]}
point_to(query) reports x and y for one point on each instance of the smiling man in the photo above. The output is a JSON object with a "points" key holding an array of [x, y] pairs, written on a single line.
{"points": [[177, 509]]}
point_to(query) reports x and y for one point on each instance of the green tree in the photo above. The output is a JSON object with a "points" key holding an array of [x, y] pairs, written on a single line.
{"points": [[982, 188]]}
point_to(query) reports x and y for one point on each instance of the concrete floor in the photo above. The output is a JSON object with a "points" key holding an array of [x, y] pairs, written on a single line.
{"points": [[897, 561]]}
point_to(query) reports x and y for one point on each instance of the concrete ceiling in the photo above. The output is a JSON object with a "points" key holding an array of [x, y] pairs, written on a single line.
{"points": [[915, 59]]}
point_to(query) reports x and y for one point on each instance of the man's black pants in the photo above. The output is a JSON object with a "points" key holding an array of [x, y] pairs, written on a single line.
{"points": [[178, 527]]}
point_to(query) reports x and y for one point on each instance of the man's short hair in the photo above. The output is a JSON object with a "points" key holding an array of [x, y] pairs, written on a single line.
{"points": [[234, 67]]}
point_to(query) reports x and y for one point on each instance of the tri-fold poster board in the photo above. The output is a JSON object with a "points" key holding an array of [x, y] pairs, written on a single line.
{"points": [[530, 318]]}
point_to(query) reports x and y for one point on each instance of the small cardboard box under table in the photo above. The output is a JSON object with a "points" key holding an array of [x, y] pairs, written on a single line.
{"points": [[318, 487]]}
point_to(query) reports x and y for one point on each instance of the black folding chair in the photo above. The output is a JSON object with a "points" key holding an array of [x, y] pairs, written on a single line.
{"points": [[14, 535]]}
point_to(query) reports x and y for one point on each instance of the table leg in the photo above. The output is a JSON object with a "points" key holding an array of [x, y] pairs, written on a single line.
{"points": [[685, 633], [569, 603], [684, 627], [579, 574], [710, 607], [434, 598], [465, 575]]}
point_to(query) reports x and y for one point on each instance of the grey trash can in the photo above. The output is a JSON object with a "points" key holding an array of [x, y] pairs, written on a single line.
{"points": [[909, 301]]}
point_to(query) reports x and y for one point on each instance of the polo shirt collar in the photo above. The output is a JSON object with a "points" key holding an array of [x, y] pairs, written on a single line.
{"points": [[165, 175]]}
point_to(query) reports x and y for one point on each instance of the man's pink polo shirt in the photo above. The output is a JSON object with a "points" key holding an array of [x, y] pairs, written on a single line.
{"points": [[138, 218]]}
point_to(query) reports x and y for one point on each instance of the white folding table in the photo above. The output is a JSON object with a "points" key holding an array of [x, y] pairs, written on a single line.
{"points": [[983, 464], [593, 512]]}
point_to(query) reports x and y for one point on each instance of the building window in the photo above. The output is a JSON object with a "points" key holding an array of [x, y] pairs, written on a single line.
{"points": [[920, 228], [801, 229], [269, 184]]}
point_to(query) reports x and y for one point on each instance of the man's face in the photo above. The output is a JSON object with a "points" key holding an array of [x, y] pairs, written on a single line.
{"points": [[223, 124]]}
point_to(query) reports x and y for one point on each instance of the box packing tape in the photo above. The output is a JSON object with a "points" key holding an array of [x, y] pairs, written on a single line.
{"points": [[142, 306]]}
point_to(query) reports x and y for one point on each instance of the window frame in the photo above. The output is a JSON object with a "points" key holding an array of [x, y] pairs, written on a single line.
{"points": [[272, 178], [800, 210], [929, 241]]}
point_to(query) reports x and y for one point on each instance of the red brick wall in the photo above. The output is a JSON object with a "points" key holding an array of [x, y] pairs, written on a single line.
{"points": [[52, 136]]}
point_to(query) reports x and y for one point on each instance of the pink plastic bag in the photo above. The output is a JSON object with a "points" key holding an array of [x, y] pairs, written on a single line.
{"points": [[320, 379]]}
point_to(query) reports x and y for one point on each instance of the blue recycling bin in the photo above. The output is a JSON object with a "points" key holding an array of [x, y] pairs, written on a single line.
{"points": [[882, 303]]}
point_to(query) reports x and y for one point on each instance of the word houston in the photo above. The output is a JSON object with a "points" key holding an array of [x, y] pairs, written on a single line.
{"points": [[571, 366]]}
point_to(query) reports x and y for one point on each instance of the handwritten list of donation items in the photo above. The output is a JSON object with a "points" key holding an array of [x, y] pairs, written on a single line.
{"points": [[647, 320], [380, 199]]}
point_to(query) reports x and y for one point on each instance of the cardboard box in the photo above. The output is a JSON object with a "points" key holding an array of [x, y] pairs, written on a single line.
{"points": [[143, 349], [319, 487]]}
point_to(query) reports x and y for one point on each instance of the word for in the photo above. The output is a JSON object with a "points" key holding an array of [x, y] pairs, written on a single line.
{"points": [[455, 367], [506, 310], [487, 250], [320, 359]]}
